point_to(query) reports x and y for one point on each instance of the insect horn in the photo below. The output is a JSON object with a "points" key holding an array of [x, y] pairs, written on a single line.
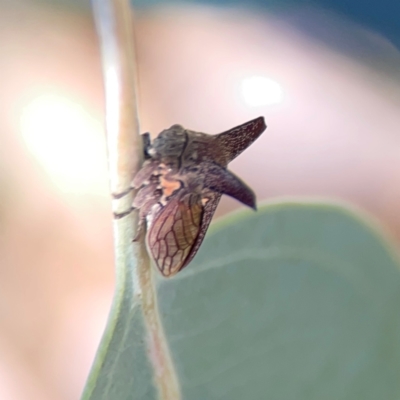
{"points": [[237, 139], [222, 181]]}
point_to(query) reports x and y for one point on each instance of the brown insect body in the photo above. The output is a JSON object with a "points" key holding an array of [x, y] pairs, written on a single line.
{"points": [[180, 185]]}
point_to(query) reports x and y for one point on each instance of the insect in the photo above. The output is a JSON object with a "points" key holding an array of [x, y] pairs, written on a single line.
{"points": [[179, 187]]}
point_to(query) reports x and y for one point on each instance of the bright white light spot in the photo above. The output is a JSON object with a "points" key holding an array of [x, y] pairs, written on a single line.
{"points": [[261, 91], [67, 141]]}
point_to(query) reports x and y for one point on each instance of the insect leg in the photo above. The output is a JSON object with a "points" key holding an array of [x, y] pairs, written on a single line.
{"points": [[117, 196], [144, 212], [144, 175], [123, 214], [146, 193]]}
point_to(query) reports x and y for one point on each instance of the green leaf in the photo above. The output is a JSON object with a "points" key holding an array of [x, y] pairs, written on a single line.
{"points": [[297, 301]]}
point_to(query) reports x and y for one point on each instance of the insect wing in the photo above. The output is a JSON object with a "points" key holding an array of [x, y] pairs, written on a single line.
{"points": [[174, 232], [208, 212]]}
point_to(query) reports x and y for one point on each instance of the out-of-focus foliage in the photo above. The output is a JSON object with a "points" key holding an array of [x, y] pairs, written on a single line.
{"points": [[297, 301], [381, 16]]}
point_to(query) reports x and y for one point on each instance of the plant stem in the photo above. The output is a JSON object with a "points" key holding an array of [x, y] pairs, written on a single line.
{"points": [[114, 24]]}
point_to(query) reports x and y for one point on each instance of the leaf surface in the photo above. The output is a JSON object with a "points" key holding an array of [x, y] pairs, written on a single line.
{"points": [[297, 301]]}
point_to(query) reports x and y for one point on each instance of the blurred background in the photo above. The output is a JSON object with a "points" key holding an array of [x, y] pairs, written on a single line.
{"points": [[326, 76]]}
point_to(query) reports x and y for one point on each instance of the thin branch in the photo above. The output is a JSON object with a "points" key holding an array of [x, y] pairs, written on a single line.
{"points": [[114, 24]]}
